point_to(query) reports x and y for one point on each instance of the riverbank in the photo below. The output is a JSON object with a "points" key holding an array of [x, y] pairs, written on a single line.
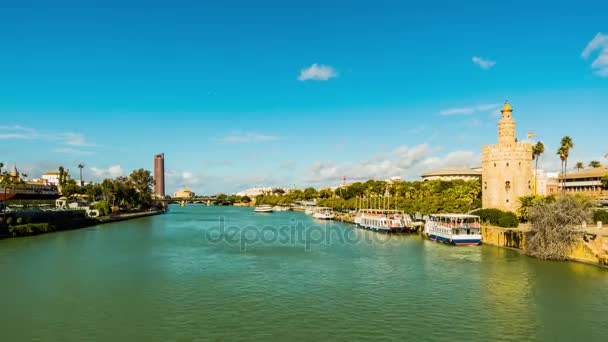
{"points": [[37, 223], [592, 250]]}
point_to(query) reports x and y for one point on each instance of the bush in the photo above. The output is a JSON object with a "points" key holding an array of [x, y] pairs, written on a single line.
{"points": [[29, 229], [103, 207], [19, 220], [9, 221], [497, 217], [508, 220], [600, 215]]}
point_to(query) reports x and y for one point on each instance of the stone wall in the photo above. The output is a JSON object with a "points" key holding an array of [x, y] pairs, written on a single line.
{"points": [[590, 251]]}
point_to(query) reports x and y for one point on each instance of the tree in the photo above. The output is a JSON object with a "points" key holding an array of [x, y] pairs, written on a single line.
{"points": [[1, 166], [142, 182], [8, 182], [81, 166], [62, 176], [552, 232], [564, 152], [605, 182], [310, 193], [579, 166], [246, 199], [595, 164], [537, 150]]}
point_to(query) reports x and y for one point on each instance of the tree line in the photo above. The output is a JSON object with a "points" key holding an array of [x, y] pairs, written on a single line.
{"points": [[436, 196]]}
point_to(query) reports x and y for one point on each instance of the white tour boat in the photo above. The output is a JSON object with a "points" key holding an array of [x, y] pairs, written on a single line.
{"points": [[323, 213], [454, 229], [263, 209], [385, 221]]}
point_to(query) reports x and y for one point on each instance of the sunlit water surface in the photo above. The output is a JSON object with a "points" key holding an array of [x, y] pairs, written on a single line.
{"points": [[201, 273]]}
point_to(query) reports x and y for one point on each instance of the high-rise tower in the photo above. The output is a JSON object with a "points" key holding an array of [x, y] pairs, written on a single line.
{"points": [[159, 175], [506, 167]]}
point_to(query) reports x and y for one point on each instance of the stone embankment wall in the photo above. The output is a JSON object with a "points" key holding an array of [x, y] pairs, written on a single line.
{"points": [[588, 251]]}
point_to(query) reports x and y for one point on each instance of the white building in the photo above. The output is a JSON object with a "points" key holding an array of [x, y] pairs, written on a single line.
{"points": [[52, 178]]}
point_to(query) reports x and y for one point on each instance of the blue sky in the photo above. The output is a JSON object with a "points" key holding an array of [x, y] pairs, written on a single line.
{"points": [[254, 93]]}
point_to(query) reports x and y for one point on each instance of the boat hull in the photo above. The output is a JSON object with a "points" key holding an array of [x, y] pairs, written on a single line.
{"points": [[382, 230], [455, 242]]}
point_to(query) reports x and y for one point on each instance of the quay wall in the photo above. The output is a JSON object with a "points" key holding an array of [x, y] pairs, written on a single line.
{"points": [[586, 251], [41, 222]]}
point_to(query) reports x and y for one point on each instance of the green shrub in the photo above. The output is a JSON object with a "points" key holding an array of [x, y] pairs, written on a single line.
{"points": [[600, 215], [103, 207], [508, 220], [497, 217], [9, 221], [19, 220], [29, 229]]}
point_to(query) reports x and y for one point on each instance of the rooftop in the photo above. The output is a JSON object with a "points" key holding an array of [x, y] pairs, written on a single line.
{"points": [[588, 173]]}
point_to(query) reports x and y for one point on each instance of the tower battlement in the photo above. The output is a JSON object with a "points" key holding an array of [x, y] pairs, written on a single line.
{"points": [[506, 167]]}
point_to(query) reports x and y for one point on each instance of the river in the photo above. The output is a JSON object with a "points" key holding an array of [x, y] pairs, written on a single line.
{"points": [[221, 273]]}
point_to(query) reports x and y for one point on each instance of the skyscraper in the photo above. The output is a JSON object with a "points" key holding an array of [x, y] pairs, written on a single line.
{"points": [[159, 175]]}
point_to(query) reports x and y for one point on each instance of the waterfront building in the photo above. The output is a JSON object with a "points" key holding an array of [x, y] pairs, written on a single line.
{"points": [[253, 192], [453, 173], [159, 175], [506, 167], [27, 189], [184, 193], [588, 182], [52, 177], [546, 182]]}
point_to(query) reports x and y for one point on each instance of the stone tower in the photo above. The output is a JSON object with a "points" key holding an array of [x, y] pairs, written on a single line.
{"points": [[506, 167]]}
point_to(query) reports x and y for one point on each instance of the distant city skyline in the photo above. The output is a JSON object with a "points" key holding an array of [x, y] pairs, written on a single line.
{"points": [[295, 93]]}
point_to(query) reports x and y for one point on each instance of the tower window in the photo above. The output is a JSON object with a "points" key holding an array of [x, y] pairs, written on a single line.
{"points": [[507, 185], [507, 164]]}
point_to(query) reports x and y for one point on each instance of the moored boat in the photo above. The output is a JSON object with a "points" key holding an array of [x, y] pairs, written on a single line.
{"points": [[322, 213], [385, 221], [454, 229], [263, 209]]}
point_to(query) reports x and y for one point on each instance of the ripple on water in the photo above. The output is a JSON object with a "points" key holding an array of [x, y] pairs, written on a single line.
{"points": [[167, 278]]}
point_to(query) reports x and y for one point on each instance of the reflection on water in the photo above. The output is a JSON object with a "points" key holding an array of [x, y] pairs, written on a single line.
{"points": [[226, 273]]}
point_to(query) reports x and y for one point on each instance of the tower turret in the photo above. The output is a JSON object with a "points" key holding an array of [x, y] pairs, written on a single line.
{"points": [[506, 126]]}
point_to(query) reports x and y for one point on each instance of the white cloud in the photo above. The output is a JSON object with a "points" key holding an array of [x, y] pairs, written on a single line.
{"points": [[600, 64], [483, 63], [70, 150], [99, 174], [246, 137], [74, 139], [17, 132], [470, 110], [404, 161], [317, 72]]}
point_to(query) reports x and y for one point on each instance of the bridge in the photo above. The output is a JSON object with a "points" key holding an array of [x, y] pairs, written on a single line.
{"points": [[179, 200]]}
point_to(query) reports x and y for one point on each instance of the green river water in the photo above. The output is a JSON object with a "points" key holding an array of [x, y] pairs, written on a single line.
{"points": [[225, 273]]}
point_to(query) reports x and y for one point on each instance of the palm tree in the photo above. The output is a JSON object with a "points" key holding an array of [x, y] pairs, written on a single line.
{"points": [[564, 152], [537, 150], [595, 164], [579, 166], [1, 166], [81, 166]]}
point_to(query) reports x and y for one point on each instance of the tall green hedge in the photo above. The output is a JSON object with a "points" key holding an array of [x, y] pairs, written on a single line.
{"points": [[30, 229], [497, 217]]}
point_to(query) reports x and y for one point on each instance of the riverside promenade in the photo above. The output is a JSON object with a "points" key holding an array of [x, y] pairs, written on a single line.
{"points": [[37, 223]]}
